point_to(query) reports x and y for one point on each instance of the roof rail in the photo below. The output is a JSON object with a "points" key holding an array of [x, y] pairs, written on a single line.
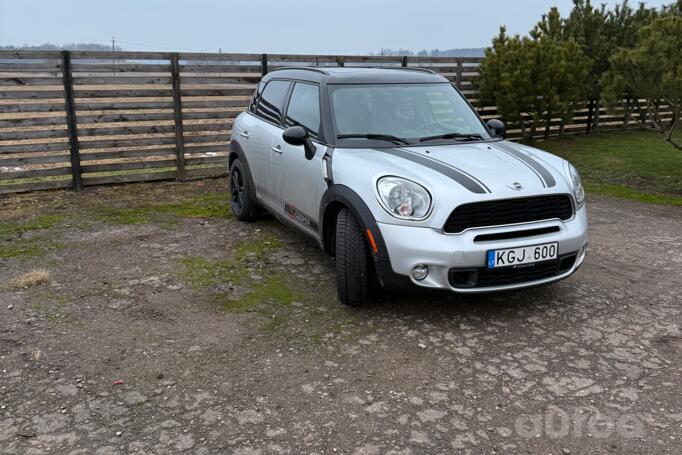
{"points": [[408, 68], [305, 68]]}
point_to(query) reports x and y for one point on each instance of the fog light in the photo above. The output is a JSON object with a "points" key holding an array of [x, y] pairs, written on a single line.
{"points": [[420, 271]]}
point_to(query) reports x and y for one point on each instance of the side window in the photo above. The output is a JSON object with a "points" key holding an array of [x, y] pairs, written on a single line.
{"points": [[271, 101], [304, 108]]}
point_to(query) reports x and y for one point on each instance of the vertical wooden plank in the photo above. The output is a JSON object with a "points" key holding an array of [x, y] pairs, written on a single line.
{"points": [[71, 123], [177, 116], [458, 79], [403, 63], [263, 64]]}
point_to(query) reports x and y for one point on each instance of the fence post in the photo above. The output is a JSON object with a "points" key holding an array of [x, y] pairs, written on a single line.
{"points": [[458, 77], [177, 116], [263, 64], [590, 116], [71, 123], [403, 63]]}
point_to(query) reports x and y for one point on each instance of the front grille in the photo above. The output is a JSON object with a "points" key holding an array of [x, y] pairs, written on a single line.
{"points": [[509, 211], [483, 277]]}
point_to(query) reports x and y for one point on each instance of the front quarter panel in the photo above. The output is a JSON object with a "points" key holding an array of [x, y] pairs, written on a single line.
{"points": [[359, 169]]}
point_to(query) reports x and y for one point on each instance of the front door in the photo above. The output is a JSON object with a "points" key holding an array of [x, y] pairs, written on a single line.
{"points": [[299, 181]]}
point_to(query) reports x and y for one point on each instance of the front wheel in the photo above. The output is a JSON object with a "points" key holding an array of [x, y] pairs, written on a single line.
{"points": [[242, 193], [352, 261]]}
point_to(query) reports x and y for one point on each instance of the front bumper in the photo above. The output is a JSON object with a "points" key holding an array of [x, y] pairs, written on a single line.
{"points": [[443, 253]]}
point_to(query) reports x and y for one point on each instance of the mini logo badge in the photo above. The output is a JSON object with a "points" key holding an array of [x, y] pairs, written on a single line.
{"points": [[515, 186]]}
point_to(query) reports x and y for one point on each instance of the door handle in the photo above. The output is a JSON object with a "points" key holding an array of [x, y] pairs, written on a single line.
{"points": [[277, 148], [244, 134]]}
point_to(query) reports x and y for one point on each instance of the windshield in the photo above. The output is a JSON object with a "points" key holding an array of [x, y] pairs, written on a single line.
{"points": [[389, 114]]}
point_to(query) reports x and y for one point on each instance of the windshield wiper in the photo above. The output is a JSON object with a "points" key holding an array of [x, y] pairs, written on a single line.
{"points": [[458, 136], [378, 137]]}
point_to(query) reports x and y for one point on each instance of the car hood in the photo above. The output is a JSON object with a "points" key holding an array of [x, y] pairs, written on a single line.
{"points": [[488, 168], [457, 173]]}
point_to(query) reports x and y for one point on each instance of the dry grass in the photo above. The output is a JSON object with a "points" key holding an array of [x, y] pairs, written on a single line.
{"points": [[29, 279]]}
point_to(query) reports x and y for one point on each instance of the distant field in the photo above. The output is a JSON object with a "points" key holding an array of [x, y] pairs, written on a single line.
{"points": [[630, 164]]}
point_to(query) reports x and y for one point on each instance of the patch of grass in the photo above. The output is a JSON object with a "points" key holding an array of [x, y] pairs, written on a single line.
{"points": [[624, 192], [633, 164], [208, 205]]}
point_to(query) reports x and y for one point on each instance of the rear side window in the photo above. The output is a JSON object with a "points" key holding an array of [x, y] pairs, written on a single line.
{"points": [[255, 98], [304, 108], [271, 101]]}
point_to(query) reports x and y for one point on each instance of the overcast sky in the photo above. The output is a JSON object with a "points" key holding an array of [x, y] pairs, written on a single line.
{"points": [[274, 26]]}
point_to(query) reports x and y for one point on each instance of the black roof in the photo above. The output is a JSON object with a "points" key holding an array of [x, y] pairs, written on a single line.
{"points": [[357, 75]]}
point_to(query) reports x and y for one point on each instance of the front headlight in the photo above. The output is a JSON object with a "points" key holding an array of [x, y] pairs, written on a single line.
{"points": [[403, 198], [578, 189]]}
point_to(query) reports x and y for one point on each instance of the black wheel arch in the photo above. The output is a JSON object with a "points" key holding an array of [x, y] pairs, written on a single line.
{"points": [[236, 151], [334, 199]]}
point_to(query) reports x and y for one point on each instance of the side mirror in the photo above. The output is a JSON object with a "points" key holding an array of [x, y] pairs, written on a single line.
{"points": [[297, 135], [496, 127]]}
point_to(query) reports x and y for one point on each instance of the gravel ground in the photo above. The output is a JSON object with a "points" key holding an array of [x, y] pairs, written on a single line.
{"points": [[145, 319]]}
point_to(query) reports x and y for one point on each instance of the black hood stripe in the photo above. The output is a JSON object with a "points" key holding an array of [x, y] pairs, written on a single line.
{"points": [[455, 174], [454, 168], [541, 171]]}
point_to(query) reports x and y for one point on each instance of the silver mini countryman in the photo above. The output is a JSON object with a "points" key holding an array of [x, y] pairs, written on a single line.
{"points": [[397, 177]]}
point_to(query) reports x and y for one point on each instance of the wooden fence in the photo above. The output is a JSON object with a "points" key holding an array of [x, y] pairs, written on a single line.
{"points": [[81, 118]]}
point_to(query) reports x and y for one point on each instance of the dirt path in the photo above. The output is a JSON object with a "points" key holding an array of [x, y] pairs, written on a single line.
{"points": [[166, 326]]}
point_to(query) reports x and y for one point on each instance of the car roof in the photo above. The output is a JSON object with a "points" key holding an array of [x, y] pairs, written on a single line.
{"points": [[357, 75]]}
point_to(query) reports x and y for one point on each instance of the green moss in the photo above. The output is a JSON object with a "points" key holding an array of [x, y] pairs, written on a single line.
{"points": [[14, 245], [271, 296], [257, 248], [121, 216], [267, 296], [204, 273], [200, 272], [21, 249], [213, 205], [49, 305], [10, 229]]}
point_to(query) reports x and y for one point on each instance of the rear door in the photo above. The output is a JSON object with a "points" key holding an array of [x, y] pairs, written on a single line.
{"points": [[263, 127], [298, 181]]}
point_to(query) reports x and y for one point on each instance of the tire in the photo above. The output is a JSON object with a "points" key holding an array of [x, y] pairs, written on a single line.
{"points": [[353, 272], [242, 192]]}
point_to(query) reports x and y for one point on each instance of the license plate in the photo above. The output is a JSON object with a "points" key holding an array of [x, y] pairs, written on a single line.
{"points": [[522, 255]]}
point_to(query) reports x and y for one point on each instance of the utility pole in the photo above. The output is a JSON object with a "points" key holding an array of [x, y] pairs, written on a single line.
{"points": [[113, 55]]}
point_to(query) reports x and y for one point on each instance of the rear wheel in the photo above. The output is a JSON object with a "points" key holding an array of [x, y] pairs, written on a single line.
{"points": [[242, 192], [352, 261]]}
